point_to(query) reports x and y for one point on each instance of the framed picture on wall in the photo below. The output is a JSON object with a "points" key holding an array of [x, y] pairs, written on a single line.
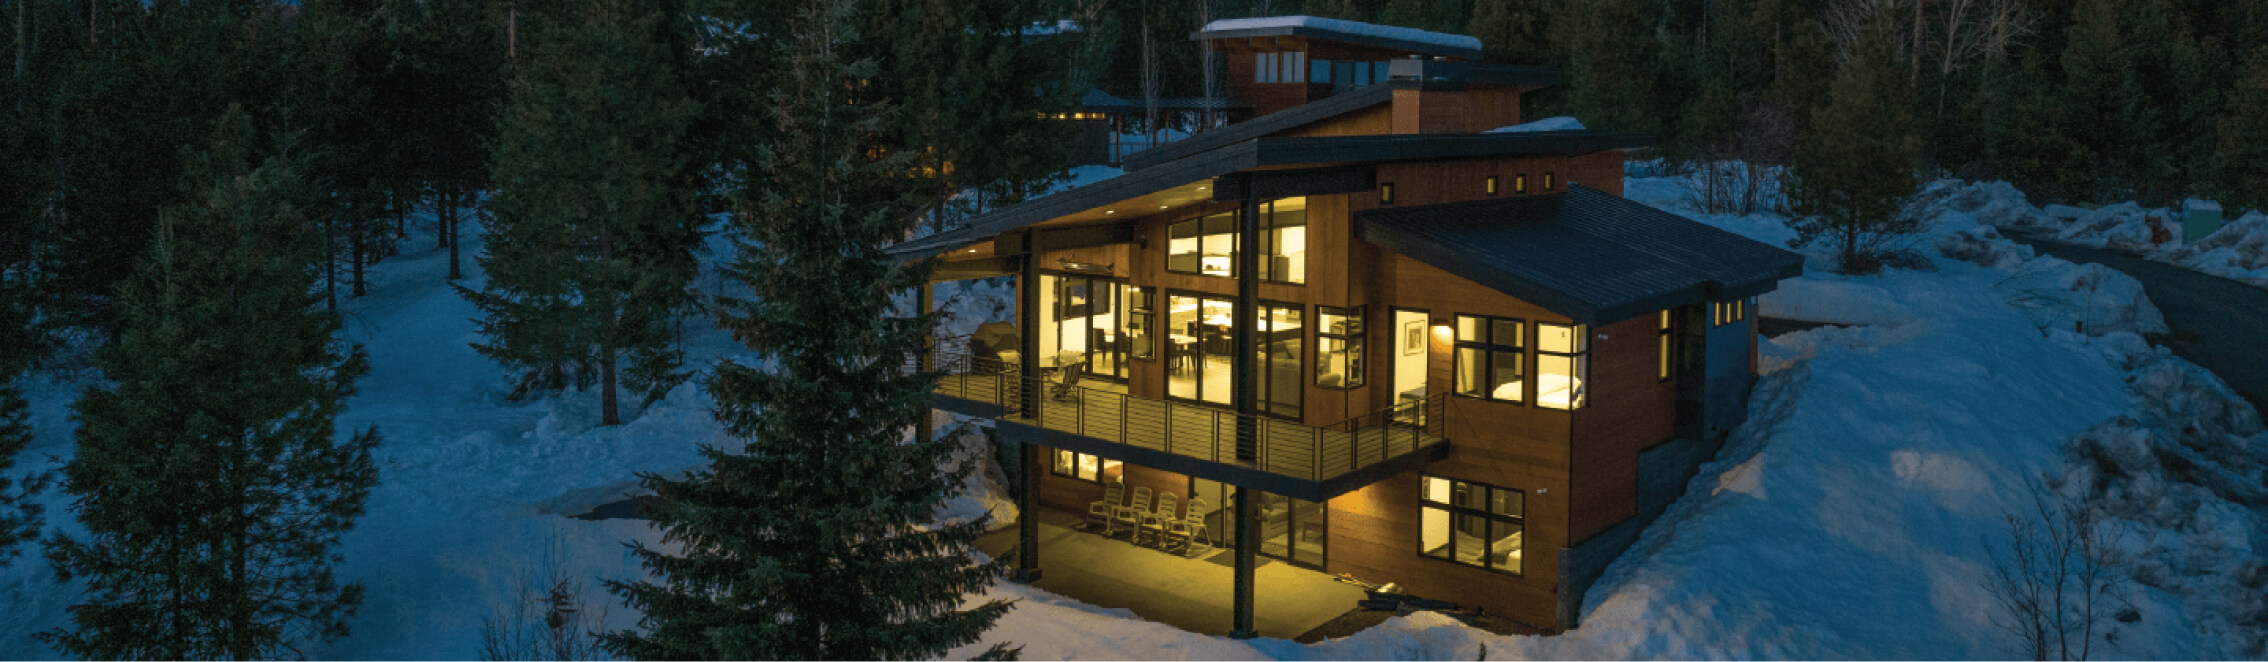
{"points": [[1413, 338]]}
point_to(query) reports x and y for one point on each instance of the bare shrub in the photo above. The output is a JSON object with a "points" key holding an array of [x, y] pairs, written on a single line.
{"points": [[1741, 174], [2061, 581], [549, 619]]}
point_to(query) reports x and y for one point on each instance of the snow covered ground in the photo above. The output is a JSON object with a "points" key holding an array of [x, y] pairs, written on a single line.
{"points": [[2237, 251], [1855, 516]]}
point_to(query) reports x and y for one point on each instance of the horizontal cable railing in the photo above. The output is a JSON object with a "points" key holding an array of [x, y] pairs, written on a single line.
{"points": [[1203, 432]]}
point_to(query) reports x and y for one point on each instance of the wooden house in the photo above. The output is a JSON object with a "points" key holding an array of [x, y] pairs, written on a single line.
{"points": [[1370, 334]]}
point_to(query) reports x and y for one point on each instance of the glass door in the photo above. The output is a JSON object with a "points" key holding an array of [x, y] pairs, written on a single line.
{"points": [[1089, 324], [1197, 347], [1277, 368], [1290, 529]]}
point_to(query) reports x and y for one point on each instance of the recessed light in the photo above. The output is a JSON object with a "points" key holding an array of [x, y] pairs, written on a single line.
{"points": [[1110, 211], [1200, 188], [1161, 206]]}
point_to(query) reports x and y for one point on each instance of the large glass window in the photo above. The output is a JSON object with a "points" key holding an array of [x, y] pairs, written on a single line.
{"points": [[1207, 246], [1283, 241], [1489, 361], [1278, 341], [1338, 347], [1197, 347], [1471, 523], [1563, 363], [1086, 467]]}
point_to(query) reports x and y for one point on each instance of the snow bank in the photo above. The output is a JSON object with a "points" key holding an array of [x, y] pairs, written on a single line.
{"points": [[2123, 226], [2238, 251], [1412, 35], [1561, 123]]}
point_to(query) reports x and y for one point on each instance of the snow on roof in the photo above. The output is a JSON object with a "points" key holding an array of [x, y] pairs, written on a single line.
{"points": [[1412, 35], [2194, 204], [1561, 123]]}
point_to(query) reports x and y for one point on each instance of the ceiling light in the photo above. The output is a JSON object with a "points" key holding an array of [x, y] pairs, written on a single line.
{"points": [[1110, 211]]}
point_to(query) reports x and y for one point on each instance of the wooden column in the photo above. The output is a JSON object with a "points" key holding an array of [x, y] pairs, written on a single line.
{"points": [[1244, 393], [1027, 321]]}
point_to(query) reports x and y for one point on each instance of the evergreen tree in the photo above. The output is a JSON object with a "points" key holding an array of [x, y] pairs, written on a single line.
{"points": [[2243, 149], [2106, 111], [454, 62], [590, 257], [1803, 68], [808, 542], [1614, 64], [19, 513], [1856, 166], [1436, 15], [212, 484], [1515, 31], [338, 53]]}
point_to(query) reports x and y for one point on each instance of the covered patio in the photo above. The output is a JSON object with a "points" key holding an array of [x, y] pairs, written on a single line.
{"points": [[1193, 594]]}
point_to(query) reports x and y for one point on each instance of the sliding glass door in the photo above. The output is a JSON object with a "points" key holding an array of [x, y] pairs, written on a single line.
{"points": [[1198, 348], [1095, 321]]}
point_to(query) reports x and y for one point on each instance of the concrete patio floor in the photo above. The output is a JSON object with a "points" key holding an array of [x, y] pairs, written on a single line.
{"points": [[1193, 594]]}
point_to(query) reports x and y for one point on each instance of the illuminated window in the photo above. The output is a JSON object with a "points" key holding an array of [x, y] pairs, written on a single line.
{"points": [[1491, 185], [1728, 312], [1489, 361], [1520, 184], [1338, 347], [1205, 246], [1141, 315], [1666, 341], [1086, 467], [1471, 523], [1562, 364], [1550, 180], [1386, 193]]}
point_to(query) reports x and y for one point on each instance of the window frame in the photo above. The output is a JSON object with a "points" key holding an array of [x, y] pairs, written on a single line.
{"points": [[1491, 518], [1101, 466], [1355, 342], [1666, 346], [1149, 316], [1579, 363], [1488, 348]]}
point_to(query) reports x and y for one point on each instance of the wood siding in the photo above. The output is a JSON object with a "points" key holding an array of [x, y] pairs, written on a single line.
{"points": [[1609, 434]]}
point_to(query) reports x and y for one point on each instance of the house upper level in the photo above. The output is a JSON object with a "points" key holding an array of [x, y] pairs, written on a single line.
{"points": [[1279, 62]]}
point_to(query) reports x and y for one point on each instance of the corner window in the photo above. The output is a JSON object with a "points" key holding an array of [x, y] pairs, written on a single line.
{"points": [[1665, 340], [1086, 467], [1563, 363], [1489, 361], [1338, 347], [1471, 524], [1204, 246]]}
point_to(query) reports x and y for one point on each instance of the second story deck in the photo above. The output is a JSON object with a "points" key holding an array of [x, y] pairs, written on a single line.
{"points": [[1197, 439]]}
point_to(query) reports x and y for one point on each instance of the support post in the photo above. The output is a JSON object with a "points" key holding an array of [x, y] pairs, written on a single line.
{"points": [[1027, 321], [925, 301], [1244, 392]]}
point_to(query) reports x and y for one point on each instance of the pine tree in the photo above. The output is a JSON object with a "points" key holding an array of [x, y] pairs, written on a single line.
{"points": [[19, 512], [455, 54], [807, 543], [1614, 63], [590, 257], [1515, 31], [212, 484], [2243, 149], [338, 56], [1856, 166], [2105, 108]]}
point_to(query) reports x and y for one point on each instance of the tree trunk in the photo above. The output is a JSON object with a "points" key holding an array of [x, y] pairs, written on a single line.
{"points": [[22, 41], [512, 31], [401, 218], [1850, 242], [331, 264], [449, 198], [608, 414], [1915, 77]]}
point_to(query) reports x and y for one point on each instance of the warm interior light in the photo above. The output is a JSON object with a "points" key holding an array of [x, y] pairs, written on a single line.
{"points": [[1110, 211]]}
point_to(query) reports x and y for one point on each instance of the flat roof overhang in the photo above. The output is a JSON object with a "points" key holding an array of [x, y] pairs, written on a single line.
{"points": [[1191, 180]]}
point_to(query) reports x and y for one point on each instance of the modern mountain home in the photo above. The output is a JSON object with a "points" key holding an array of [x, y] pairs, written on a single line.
{"points": [[1362, 332]]}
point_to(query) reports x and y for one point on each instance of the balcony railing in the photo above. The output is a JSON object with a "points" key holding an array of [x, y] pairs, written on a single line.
{"points": [[1203, 432]]}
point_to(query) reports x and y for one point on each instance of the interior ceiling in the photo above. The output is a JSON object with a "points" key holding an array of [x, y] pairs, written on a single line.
{"points": [[1197, 192]]}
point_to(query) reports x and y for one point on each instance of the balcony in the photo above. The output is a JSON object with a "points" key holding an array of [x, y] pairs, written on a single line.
{"points": [[1287, 457]]}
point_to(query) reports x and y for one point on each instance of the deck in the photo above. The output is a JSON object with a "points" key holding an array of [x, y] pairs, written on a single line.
{"points": [[1383, 440]]}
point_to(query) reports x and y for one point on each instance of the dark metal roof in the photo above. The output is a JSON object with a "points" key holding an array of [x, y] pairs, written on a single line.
{"points": [[1257, 152], [1595, 257], [1355, 33], [1271, 123]]}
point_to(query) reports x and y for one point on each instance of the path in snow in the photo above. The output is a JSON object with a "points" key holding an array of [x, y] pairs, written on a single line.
{"points": [[2219, 323]]}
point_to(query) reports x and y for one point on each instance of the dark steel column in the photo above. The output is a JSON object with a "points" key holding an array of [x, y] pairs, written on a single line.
{"points": [[1244, 393], [924, 301], [1027, 501]]}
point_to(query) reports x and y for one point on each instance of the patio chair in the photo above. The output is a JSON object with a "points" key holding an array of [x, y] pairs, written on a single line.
{"points": [[1098, 513], [1153, 523], [1131, 514], [1066, 386], [1188, 529]]}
